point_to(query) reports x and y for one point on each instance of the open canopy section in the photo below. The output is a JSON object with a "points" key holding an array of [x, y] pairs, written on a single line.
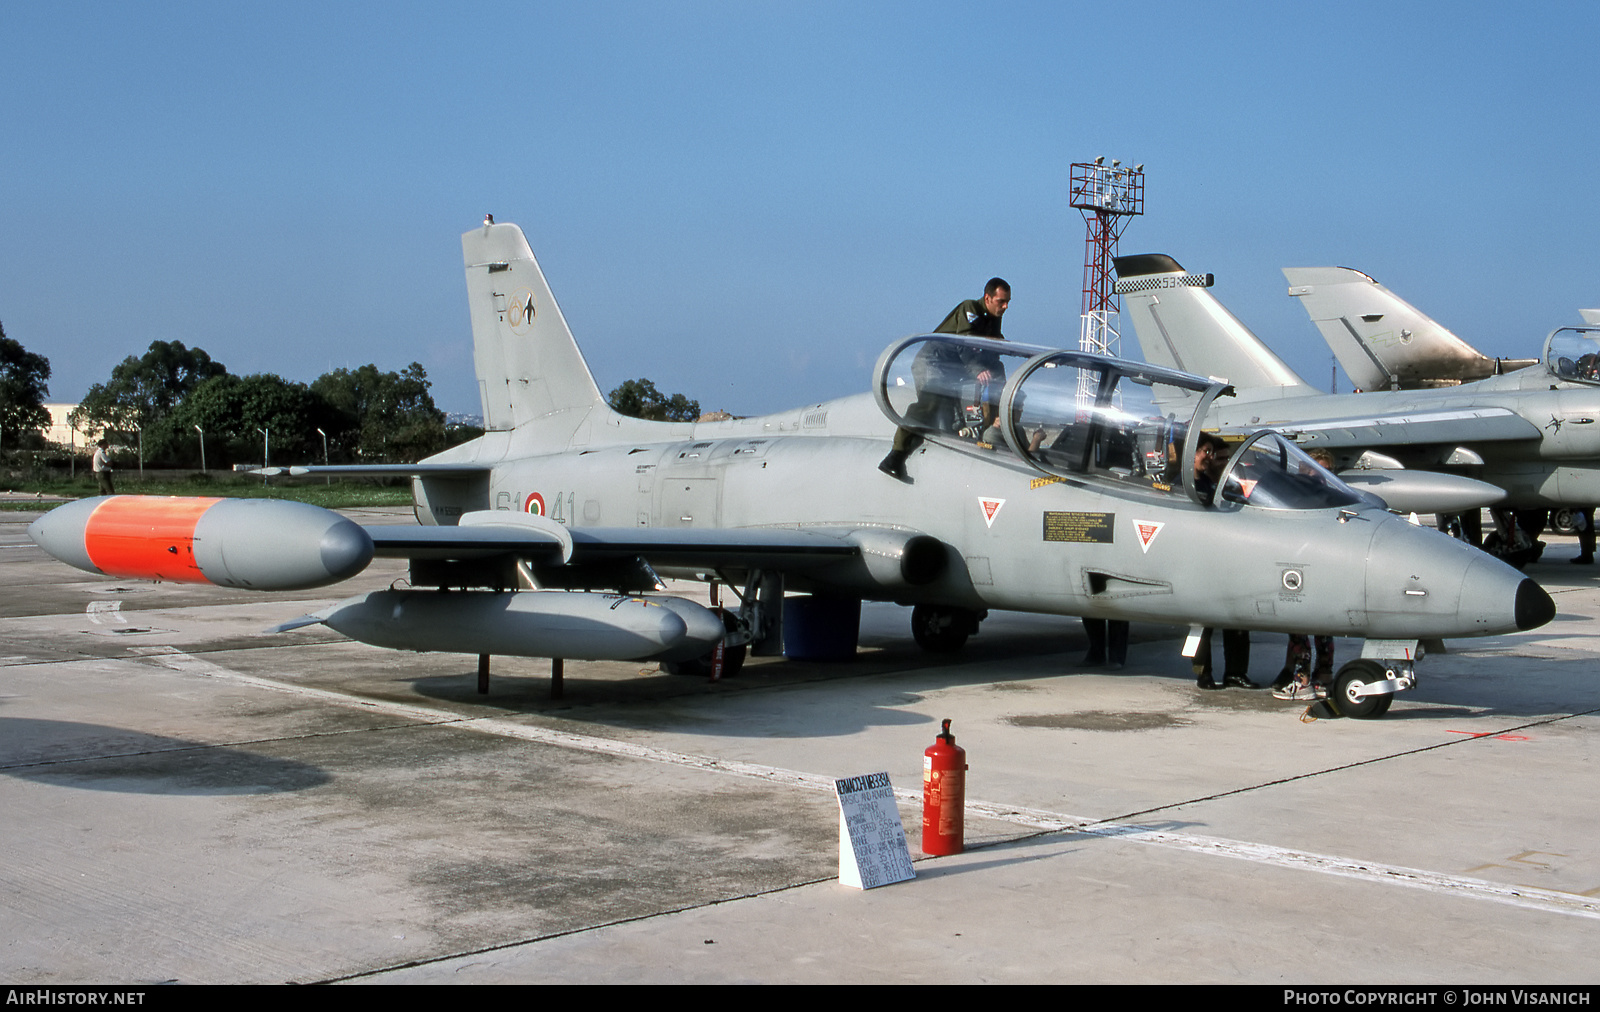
{"points": [[946, 387], [1573, 354]]}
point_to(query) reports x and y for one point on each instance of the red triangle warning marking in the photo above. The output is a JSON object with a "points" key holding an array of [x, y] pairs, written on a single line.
{"points": [[990, 508], [1147, 531]]}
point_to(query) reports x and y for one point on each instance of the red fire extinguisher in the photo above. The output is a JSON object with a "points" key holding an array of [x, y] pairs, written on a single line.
{"points": [[944, 795]]}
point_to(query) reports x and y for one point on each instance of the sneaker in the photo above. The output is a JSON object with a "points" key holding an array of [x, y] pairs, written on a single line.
{"points": [[1284, 678], [1296, 690]]}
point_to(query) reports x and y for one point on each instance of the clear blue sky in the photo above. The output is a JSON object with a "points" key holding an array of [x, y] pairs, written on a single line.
{"points": [[746, 201]]}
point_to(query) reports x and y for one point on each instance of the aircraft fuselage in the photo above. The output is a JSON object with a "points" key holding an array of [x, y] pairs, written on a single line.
{"points": [[1018, 541]]}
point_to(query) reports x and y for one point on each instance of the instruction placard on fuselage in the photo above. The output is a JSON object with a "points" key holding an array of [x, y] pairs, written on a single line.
{"points": [[1083, 528]]}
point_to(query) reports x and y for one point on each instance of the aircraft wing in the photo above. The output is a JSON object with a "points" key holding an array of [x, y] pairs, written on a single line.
{"points": [[275, 544], [1450, 426], [708, 548]]}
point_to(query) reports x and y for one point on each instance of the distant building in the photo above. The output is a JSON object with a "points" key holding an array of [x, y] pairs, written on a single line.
{"points": [[61, 431]]}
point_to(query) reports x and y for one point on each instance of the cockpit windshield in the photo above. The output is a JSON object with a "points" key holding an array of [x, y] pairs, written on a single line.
{"points": [[1573, 354], [1081, 416], [1269, 471]]}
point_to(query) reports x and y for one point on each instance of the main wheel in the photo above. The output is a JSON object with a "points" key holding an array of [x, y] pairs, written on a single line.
{"points": [[1348, 685], [941, 630], [1563, 521]]}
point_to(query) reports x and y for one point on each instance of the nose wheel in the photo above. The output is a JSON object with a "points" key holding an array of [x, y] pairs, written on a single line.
{"points": [[1363, 689]]}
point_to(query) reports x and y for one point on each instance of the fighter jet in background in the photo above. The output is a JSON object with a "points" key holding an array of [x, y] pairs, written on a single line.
{"points": [[1535, 432], [1384, 342], [549, 535]]}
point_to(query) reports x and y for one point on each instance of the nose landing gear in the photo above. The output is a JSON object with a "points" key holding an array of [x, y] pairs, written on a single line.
{"points": [[1365, 687]]}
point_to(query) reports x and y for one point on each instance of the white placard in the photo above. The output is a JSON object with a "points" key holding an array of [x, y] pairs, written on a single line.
{"points": [[872, 839]]}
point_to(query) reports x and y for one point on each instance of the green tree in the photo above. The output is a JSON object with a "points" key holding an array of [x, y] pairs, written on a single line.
{"points": [[381, 417], [640, 399], [142, 394], [233, 409], [22, 390], [146, 389]]}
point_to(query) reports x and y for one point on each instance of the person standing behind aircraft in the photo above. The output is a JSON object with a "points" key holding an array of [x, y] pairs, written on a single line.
{"points": [[939, 367], [1210, 457], [101, 466]]}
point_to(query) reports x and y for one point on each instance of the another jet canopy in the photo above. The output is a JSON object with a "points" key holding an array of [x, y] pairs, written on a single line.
{"points": [[1573, 354]]}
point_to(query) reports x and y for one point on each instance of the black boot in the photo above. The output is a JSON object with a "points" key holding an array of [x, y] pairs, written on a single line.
{"points": [[894, 465], [1236, 659]]}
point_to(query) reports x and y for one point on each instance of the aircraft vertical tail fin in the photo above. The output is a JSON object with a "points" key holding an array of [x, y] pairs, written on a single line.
{"points": [[529, 367], [1381, 340], [1180, 324]]}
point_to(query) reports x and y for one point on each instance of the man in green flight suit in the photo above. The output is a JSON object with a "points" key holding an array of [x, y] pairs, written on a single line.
{"points": [[937, 369]]}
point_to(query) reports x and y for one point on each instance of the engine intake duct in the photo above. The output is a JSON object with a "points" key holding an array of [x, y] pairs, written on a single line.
{"points": [[889, 560]]}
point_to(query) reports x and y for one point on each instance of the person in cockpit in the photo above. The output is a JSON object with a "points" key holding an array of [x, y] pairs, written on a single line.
{"points": [[1210, 457]]}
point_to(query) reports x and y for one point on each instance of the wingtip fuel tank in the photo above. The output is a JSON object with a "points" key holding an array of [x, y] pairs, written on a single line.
{"points": [[258, 544]]}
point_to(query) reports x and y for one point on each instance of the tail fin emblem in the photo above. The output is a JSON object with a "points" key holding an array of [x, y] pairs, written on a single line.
{"points": [[520, 313]]}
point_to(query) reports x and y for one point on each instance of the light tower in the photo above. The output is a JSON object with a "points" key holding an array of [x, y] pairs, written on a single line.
{"points": [[1108, 195]]}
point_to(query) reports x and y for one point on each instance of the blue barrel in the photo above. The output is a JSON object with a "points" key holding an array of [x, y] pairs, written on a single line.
{"points": [[820, 628]]}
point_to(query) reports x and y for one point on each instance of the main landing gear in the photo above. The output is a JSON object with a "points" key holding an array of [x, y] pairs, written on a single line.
{"points": [[1514, 540], [941, 629]]}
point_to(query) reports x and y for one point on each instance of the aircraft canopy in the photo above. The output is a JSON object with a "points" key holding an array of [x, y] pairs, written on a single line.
{"points": [[1573, 354], [1081, 416]]}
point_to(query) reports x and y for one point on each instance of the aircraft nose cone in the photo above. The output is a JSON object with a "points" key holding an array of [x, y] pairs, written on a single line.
{"points": [[1534, 607]]}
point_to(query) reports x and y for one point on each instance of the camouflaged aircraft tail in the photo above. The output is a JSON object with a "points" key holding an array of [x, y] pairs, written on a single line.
{"points": [[1381, 340]]}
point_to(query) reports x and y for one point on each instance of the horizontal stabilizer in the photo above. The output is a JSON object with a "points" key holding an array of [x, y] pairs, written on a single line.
{"points": [[376, 471]]}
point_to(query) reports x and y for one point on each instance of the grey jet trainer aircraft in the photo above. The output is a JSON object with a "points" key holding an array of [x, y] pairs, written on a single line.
{"points": [[549, 535], [1534, 432]]}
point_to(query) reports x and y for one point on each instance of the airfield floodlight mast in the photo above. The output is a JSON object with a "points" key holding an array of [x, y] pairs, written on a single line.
{"points": [[1107, 198], [202, 432]]}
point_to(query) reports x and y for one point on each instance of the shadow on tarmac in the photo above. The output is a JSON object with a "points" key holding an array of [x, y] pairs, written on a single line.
{"points": [[97, 757]]}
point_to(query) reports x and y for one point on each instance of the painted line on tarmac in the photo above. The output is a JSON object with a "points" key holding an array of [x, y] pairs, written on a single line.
{"points": [[1040, 820]]}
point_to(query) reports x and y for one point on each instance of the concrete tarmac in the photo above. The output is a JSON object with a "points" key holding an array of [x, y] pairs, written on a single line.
{"points": [[188, 799]]}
